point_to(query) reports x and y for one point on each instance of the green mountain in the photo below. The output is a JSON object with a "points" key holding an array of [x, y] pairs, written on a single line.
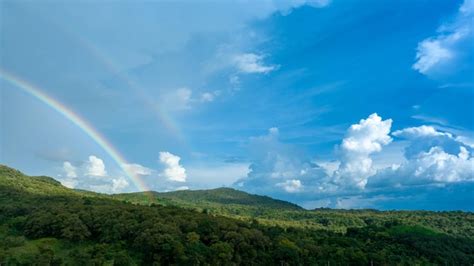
{"points": [[243, 206], [45, 223], [214, 199]]}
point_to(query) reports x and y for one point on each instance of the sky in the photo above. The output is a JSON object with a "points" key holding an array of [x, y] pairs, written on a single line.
{"points": [[324, 103]]}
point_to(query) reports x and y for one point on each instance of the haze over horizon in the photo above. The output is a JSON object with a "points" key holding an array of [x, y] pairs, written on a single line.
{"points": [[341, 104]]}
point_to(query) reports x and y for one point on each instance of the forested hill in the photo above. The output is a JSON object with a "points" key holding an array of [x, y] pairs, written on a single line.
{"points": [[45, 223], [211, 198], [15, 180], [240, 205]]}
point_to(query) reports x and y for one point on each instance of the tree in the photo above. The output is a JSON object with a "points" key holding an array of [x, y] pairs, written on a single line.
{"points": [[74, 229]]}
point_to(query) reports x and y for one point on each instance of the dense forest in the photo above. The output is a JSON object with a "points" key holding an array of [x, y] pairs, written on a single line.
{"points": [[44, 223], [243, 206]]}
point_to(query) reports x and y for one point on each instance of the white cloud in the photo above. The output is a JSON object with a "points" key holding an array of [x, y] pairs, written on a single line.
{"points": [[69, 182], [276, 165], [432, 156], [285, 7], [137, 169], [70, 170], [85, 176], [118, 184], [421, 131], [466, 140], [178, 100], [435, 54], [424, 158], [437, 165], [273, 131], [423, 138], [182, 188], [317, 3], [252, 63], [207, 97], [329, 167], [291, 186], [95, 167], [368, 136], [212, 175], [183, 99], [173, 170], [362, 139], [431, 52], [113, 185]]}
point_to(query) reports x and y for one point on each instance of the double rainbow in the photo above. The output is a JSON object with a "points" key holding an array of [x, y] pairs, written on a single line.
{"points": [[78, 121]]}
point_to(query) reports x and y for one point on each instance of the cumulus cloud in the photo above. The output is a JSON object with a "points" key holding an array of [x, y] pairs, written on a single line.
{"points": [[118, 184], [437, 165], [213, 175], [108, 185], [466, 140], [368, 136], [421, 131], [277, 168], [173, 170], [137, 169], [85, 175], [69, 182], [291, 186], [434, 51], [183, 99], [423, 138], [452, 43], [70, 178], [362, 139], [70, 170], [95, 167], [431, 159], [209, 96], [252, 63], [433, 167]]}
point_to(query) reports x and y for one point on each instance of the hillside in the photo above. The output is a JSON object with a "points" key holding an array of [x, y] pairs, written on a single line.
{"points": [[44, 223], [241, 205], [212, 199], [15, 180]]}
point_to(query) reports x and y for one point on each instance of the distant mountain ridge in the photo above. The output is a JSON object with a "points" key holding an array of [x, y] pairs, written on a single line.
{"points": [[221, 196]]}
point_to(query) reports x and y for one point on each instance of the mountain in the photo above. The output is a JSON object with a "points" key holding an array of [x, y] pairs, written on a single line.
{"points": [[272, 212], [15, 181], [211, 198], [45, 223]]}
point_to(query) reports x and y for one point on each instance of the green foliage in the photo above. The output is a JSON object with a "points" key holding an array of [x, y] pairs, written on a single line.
{"points": [[44, 223], [267, 211]]}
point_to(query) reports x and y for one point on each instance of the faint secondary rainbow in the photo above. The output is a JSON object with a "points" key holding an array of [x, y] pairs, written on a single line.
{"points": [[78, 121], [164, 118]]}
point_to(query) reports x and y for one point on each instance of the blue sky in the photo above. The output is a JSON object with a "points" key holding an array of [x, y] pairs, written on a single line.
{"points": [[344, 104]]}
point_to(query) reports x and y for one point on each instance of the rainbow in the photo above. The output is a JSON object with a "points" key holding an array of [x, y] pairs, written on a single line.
{"points": [[161, 115], [78, 121]]}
